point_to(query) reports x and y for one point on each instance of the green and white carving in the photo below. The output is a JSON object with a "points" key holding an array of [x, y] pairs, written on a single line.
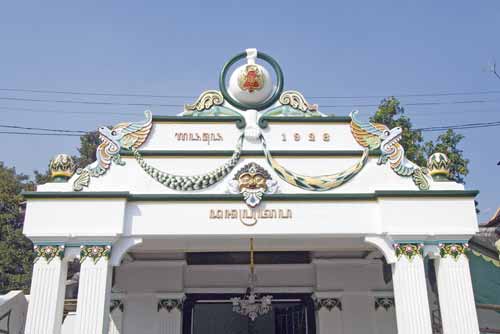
{"points": [[452, 249], [409, 250]]}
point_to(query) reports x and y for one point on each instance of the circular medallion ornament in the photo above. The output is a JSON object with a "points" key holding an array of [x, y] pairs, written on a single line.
{"points": [[250, 85]]}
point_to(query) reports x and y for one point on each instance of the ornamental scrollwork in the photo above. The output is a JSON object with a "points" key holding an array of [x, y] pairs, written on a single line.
{"points": [[409, 250], [128, 136], [205, 101], [453, 250], [385, 302], [378, 136], [116, 304], [328, 303], [297, 101], [49, 252], [170, 304], [94, 252]]}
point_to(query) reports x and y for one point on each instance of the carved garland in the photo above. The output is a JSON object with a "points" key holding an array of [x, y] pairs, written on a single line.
{"points": [[49, 252], [94, 252], [195, 182]]}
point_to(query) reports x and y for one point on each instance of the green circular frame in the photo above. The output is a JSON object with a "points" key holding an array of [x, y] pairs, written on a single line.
{"points": [[258, 106]]}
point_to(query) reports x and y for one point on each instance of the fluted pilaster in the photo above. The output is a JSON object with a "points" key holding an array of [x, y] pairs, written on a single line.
{"points": [[456, 297], [93, 296], [45, 308], [410, 291]]}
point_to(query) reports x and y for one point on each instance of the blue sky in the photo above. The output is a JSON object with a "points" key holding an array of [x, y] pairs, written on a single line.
{"points": [[332, 48]]}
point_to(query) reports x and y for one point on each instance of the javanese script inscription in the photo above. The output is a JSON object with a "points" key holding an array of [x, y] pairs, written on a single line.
{"points": [[311, 136], [207, 137], [250, 217]]}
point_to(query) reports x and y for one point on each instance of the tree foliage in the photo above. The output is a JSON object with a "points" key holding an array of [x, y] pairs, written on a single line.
{"points": [[391, 113]]}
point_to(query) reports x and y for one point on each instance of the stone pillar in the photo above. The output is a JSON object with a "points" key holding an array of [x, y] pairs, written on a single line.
{"points": [[46, 302], [410, 290], [329, 316], [94, 291], [456, 298], [170, 315]]}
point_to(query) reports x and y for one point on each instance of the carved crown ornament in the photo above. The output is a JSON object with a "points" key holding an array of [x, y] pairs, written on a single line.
{"points": [[249, 89]]}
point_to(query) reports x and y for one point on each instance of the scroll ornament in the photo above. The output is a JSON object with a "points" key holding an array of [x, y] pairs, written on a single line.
{"points": [[122, 136], [378, 136]]}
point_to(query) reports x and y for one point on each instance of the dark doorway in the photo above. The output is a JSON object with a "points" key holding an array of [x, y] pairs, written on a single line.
{"points": [[213, 314]]}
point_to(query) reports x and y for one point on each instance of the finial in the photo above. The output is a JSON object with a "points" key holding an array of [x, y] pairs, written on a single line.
{"points": [[439, 166], [61, 168]]}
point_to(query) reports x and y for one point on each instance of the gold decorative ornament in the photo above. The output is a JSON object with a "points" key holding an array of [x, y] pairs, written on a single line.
{"points": [[62, 167], [438, 165], [297, 101], [251, 78], [205, 101]]}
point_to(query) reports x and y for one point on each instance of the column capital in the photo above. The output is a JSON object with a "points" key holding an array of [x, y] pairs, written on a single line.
{"points": [[169, 304], [328, 303], [385, 302], [95, 252], [410, 250], [49, 251]]}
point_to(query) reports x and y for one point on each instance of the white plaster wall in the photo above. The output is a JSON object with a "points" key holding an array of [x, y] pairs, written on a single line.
{"points": [[16, 303]]}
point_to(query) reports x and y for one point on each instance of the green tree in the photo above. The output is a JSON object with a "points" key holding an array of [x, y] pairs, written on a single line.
{"points": [[16, 255], [391, 113]]}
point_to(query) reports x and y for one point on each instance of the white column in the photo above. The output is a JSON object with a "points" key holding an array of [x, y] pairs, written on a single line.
{"points": [[329, 314], [94, 290], [46, 301], [456, 298], [410, 291]]}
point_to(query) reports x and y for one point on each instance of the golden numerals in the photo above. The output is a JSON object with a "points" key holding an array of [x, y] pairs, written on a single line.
{"points": [[207, 137], [311, 136]]}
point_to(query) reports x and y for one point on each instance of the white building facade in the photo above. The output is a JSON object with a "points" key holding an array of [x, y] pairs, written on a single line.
{"points": [[346, 230]]}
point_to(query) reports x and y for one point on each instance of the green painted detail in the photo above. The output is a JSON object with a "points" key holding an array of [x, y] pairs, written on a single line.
{"points": [[94, 252], [48, 252], [270, 197], [410, 251], [215, 111], [264, 120], [275, 153], [259, 106], [240, 121], [454, 250]]}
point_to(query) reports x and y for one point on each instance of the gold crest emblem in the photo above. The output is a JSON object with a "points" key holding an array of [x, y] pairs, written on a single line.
{"points": [[251, 79]]}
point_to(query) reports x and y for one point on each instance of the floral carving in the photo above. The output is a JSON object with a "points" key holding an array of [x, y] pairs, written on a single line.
{"points": [[49, 252], [453, 250], [409, 250], [328, 303], [94, 252], [385, 302], [170, 304]]}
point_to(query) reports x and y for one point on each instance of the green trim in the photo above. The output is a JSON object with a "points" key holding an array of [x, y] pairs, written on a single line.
{"points": [[240, 121], [276, 153], [269, 197], [264, 121], [63, 194], [258, 106]]}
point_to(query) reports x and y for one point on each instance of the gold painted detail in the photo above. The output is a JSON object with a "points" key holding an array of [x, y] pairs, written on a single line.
{"points": [[250, 217], [94, 252], [251, 78], [453, 250], [297, 101], [252, 181], [439, 165], [49, 252], [62, 166], [373, 136], [122, 136], [314, 183], [311, 137], [190, 183], [409, 250], [205, 101]]}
